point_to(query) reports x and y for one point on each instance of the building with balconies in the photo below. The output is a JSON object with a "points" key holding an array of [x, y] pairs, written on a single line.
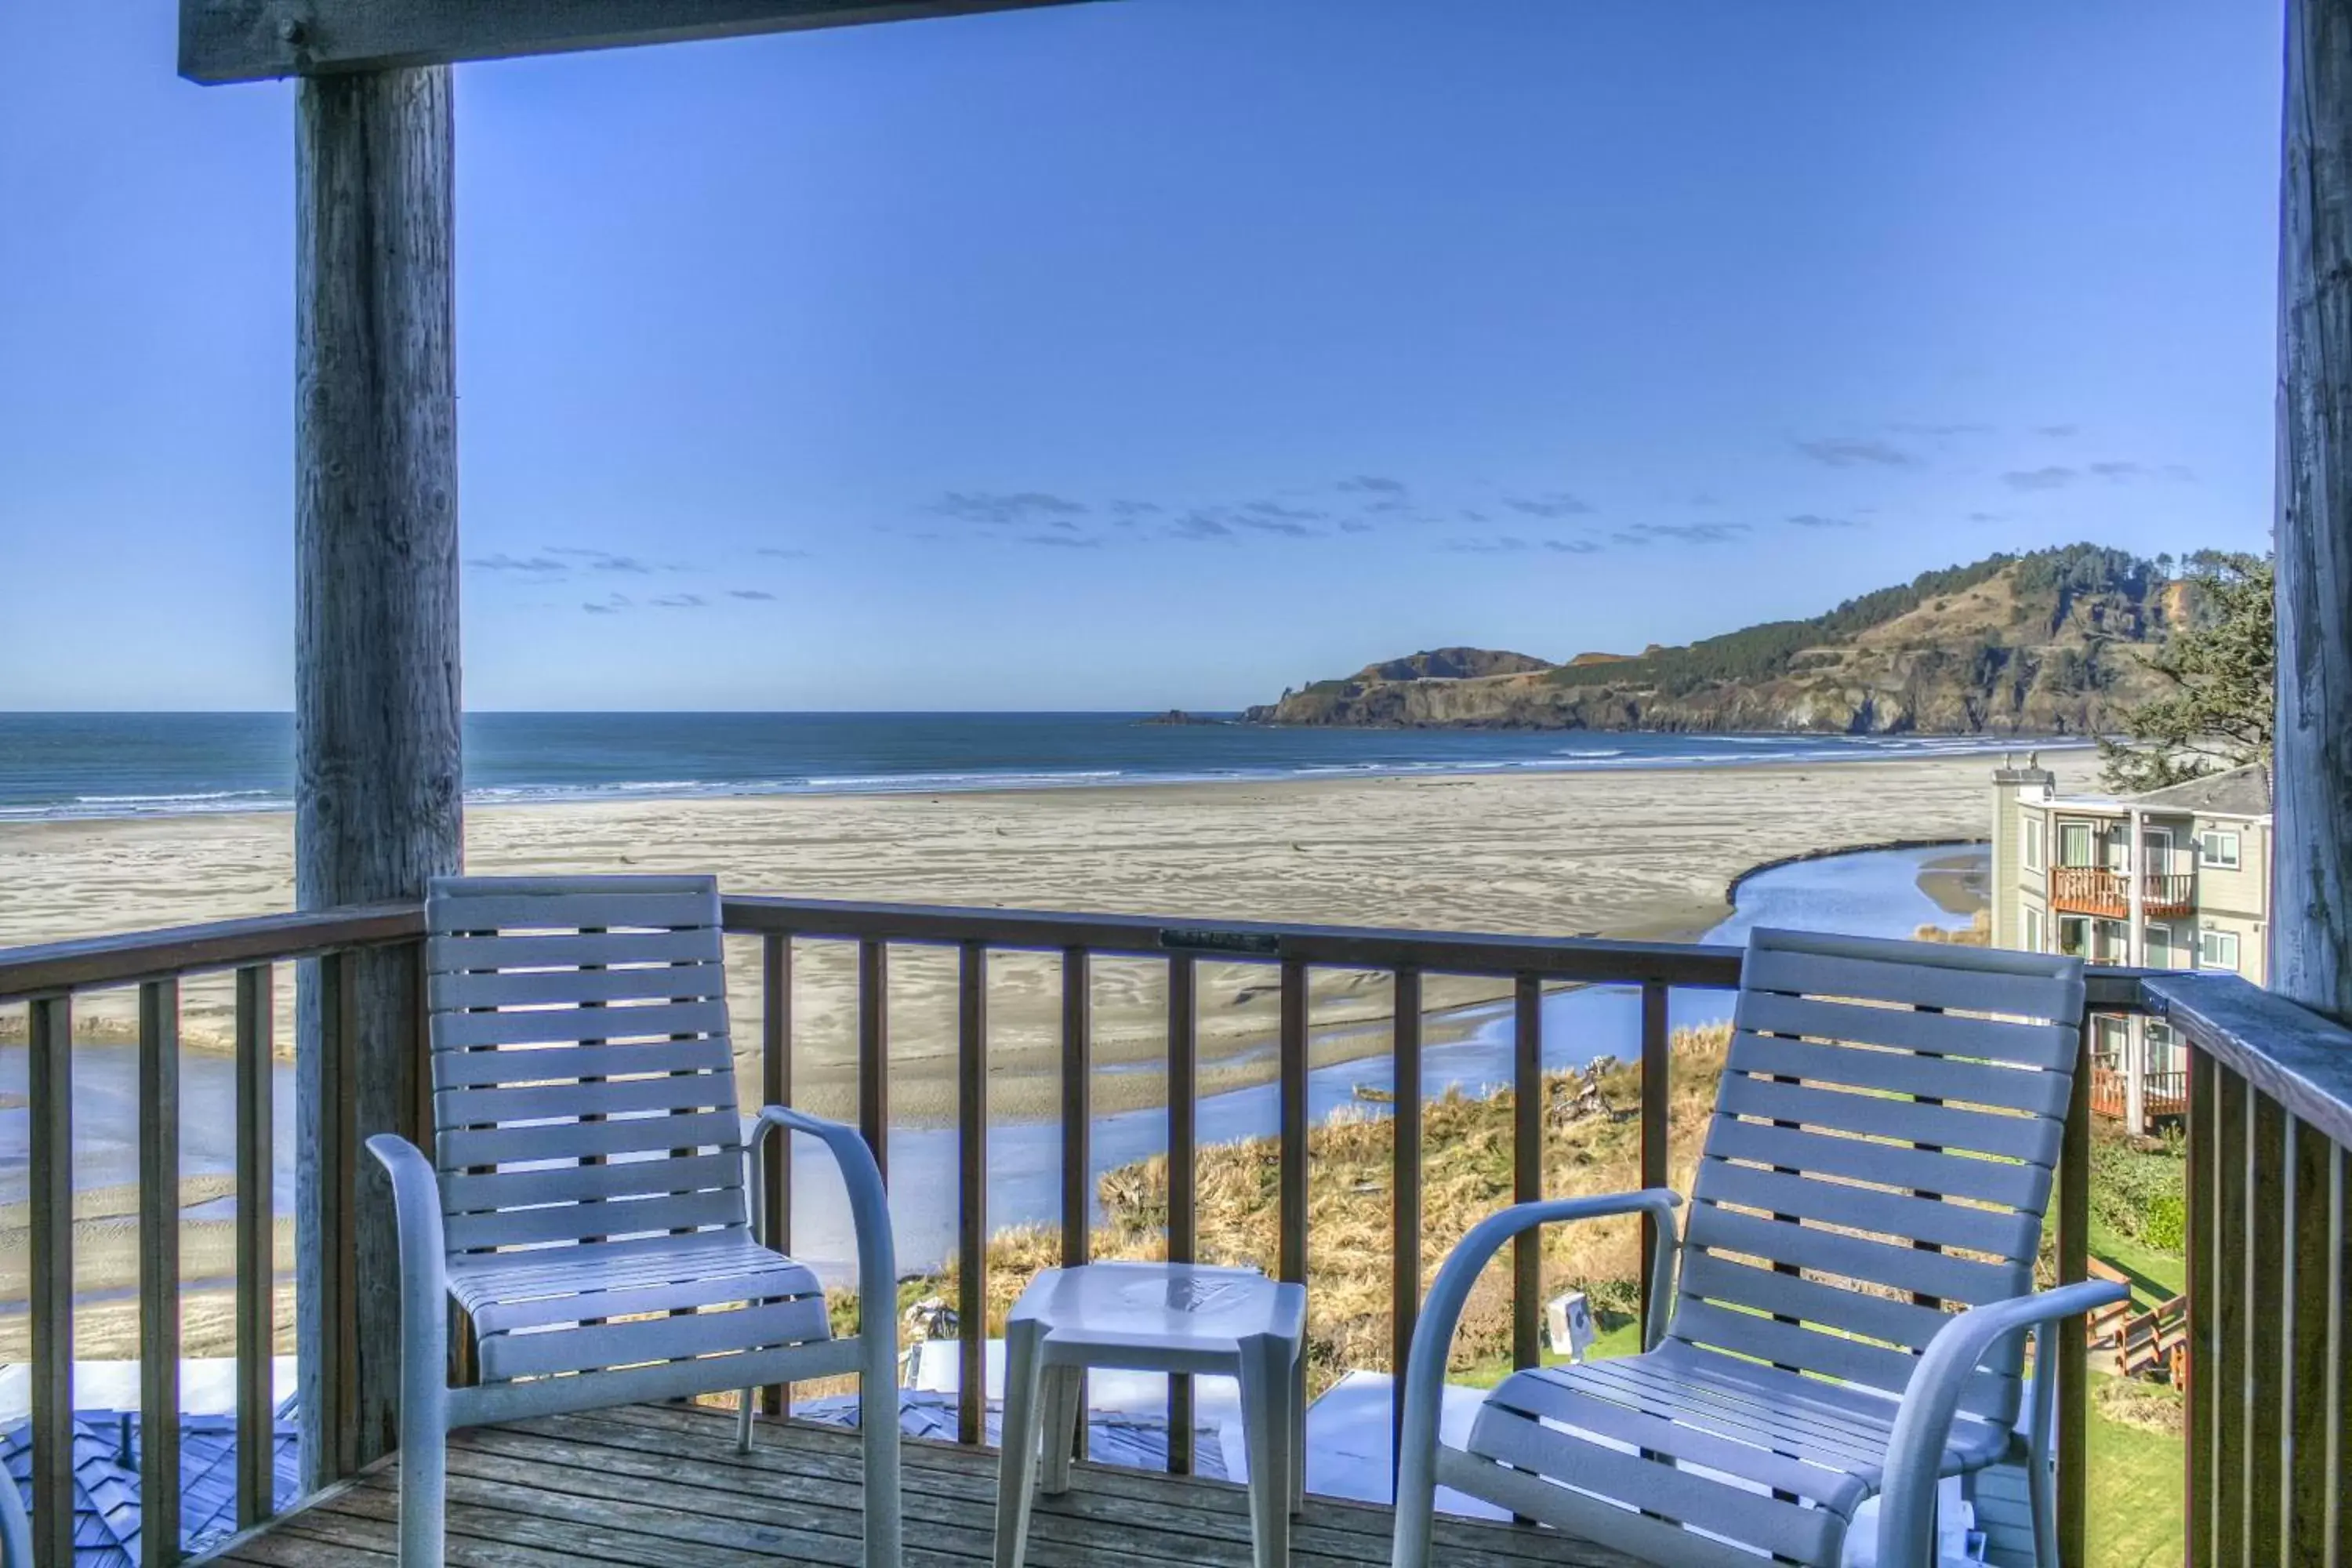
{"points": [[2173, 879]]}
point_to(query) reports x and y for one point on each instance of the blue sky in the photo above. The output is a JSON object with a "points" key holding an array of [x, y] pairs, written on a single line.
{"points": [[1166, 351]]}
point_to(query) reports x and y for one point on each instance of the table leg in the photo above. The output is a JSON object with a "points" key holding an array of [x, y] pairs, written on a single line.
{"points": [[1062, 1385], [1266, 1373], [1018, 1454]]}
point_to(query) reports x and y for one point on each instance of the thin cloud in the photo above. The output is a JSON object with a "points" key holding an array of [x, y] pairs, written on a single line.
{"points": [[1501, 545], [996, 508], [1987, 517], [1572, 546], [603, 560], [2116, 471], [1902, 428], [1275, 512], [1681, 532], [1372, 484], [680, 601], [1060, 541], [610, 605], [2049, 478], [1129, 510], [1354, 525], [527, 566], [1552, 507], [2057, 431], [1199, 525], [1815, 520], [1851, 452], [783, 553], [759, 595]]}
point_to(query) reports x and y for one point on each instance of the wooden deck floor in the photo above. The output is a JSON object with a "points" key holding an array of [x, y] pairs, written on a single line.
{"points": [[662, 1484]]}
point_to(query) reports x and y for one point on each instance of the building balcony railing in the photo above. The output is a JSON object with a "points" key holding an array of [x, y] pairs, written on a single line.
{"points": [[2096, 891], [2268, 1103]]}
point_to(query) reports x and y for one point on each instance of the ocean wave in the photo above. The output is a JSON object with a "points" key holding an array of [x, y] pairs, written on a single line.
{"points": [[916, 783], [684, 772], [160, 799]]}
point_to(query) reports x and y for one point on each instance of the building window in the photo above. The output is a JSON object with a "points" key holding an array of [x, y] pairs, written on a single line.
{"points": [[2030, 826], [2217, 949], [2036, 938], [2075, 844], [2160, 954], [2075, 935], [2218, 849]]}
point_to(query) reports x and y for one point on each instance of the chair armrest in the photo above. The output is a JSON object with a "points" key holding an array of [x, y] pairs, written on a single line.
{"points": [[1433, 1332], [1907, 1505], [869, 1208], [416, 1212]]}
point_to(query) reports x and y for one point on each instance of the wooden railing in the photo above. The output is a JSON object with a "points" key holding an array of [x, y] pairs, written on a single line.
{"points": [[2094, 889], [48, 979], [2270, 1284], [2271, 1089], [1527, 963]]}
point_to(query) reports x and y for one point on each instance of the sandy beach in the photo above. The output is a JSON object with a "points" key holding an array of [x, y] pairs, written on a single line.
{"points": [[1629, 853]]}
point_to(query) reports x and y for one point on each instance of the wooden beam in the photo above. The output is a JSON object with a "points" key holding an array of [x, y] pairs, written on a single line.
{"points": [[247, 40], [376, 688], [2311, 935]]}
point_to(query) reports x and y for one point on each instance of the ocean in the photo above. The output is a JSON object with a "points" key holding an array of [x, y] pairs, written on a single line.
{"points": [[58, 765]]}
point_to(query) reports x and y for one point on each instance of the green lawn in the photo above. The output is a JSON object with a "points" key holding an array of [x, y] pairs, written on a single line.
{"points": [[2154, 1276], [2139, 1518]]}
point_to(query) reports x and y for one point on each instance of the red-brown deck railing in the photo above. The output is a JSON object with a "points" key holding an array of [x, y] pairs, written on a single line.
{"points": [[2270, 1118], [2095, 890]]}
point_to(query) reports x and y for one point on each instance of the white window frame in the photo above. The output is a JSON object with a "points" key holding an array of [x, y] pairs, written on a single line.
{"points": [[2090, 844], [2037, 934], [2211, 838], [2212, 940], [2034, 826], [2157, 934]]}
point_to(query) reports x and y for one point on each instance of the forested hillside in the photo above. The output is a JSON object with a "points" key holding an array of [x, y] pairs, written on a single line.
{"points": [[2054, 642]]}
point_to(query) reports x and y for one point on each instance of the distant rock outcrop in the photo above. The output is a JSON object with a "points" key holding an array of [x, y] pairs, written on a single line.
{"points": [[2050, 643], [1453, 664]]}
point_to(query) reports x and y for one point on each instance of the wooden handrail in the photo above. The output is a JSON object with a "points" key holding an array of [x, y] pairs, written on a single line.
{"points": [[1597, 960], [2292, 1054], [51, 968]]}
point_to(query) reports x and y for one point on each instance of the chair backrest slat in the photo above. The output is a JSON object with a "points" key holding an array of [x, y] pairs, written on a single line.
{"points": [[580, 1030], [1882, 1152]]}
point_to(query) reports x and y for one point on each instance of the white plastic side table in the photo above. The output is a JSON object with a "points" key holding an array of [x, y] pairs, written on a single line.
{"points": [[1152, 1317]]}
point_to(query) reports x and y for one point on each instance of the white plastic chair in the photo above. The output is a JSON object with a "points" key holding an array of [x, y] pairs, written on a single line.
{"points": [[1882, 1143], [586, 1206]]}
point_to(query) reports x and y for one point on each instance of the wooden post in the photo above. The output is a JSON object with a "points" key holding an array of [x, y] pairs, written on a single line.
{"points": [[376, 680], [2311, 931]]}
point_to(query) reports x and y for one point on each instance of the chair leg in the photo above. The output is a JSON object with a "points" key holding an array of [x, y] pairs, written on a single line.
{"points": [[878, 1430], [1017, 1458], [1062, 1386], [1266, 1371], [743, 1420], [1415, 1514], [1298, 1449], [424, 1456]]}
